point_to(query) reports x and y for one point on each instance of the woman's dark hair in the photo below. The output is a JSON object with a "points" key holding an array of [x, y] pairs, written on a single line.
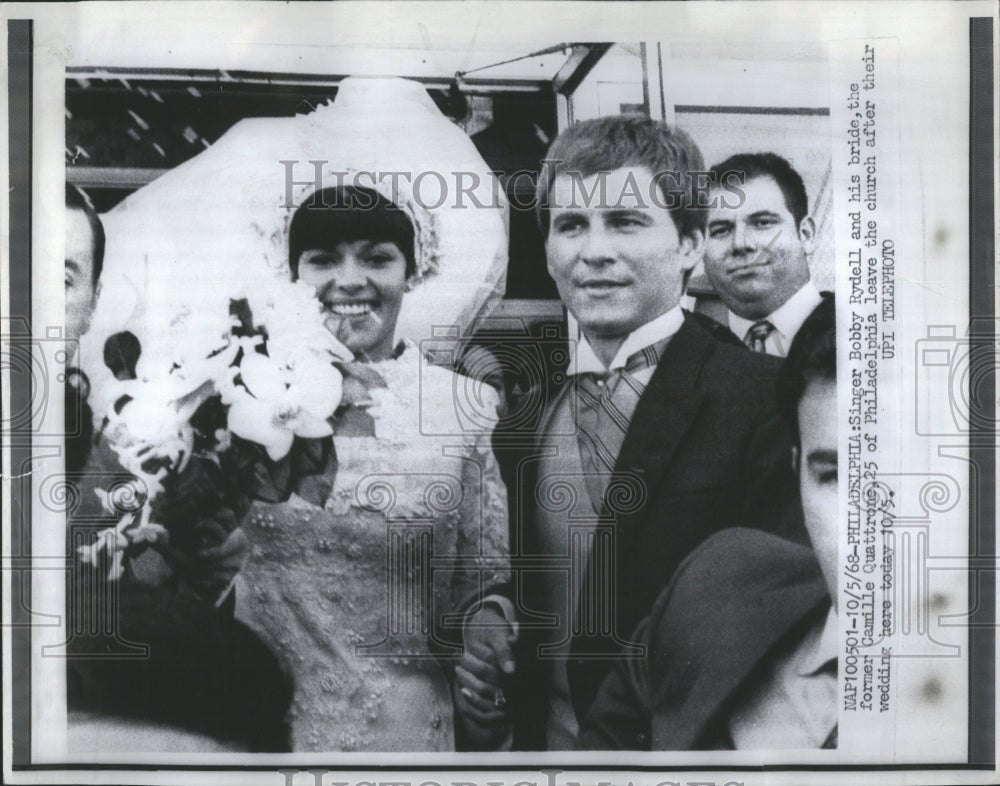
{"points": [[346, 214]]}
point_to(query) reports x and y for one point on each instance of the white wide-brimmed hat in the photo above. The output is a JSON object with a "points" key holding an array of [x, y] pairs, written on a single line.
{"points": [[180, 247]]}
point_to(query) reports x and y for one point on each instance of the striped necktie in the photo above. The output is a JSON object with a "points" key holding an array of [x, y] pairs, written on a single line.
{"points": [[758, 334], [607, 404]]}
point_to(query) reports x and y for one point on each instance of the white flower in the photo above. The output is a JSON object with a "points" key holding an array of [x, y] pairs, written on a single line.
{"points": [[223, 440], [150, 418], [114, 540], [106, 504], [281, 403], [293, 318], [88, 553], [149, 533], [117, 566]]}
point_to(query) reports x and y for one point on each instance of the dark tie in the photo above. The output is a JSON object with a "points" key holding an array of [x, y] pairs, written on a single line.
{"points": [[831, 738], [606, 407], [757, 335]]}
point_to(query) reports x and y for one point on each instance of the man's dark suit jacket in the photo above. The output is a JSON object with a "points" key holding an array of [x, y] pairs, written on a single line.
{"points": [[710, 450], [737, 599]]}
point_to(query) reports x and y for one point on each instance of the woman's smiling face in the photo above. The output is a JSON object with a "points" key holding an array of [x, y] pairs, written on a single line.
{"points": [[361, 284]]}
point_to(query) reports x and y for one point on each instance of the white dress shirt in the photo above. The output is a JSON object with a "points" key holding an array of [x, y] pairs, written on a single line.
{"points": [[583, 359], [787, 319]]}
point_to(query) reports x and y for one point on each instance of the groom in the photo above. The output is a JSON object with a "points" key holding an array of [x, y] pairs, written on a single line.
{"points": [[656, 434]]}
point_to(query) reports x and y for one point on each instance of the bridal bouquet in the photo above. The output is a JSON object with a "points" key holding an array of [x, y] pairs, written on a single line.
{"points": [[240, 412]]}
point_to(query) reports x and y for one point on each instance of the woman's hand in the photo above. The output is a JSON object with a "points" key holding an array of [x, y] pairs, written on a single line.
{"points": [[486, 666]]}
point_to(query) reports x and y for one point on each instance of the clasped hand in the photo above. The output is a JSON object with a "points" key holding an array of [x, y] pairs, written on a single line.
{"points": [[485, 668]]}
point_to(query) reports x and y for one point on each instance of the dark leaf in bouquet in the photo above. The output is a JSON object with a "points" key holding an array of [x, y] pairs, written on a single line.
{"points": [[244, 315], [121, 354], [314, 467], [207, 419], [241, 310], [153, 465], [272, 483], [267, 480], [189, 497], [260, 477], [310, 456], [214, 528]]}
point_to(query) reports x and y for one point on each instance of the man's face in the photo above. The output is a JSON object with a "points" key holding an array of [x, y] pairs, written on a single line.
{"points": [[619, 263], [818, 473], [79, 270], [755, 256]]}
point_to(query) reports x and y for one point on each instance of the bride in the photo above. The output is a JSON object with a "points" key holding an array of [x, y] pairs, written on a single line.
{"points": [[377, 592], [356, 596]]}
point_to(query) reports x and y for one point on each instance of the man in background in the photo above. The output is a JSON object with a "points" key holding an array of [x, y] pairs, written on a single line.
{"points": [[757, 252], [84, 260]]}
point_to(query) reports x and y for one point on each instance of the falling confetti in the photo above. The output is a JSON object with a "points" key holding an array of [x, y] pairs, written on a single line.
{"points": [[139, 121]]}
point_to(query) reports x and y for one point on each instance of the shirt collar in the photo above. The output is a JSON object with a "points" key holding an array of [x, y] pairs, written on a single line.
{"points": [[822, 646], [583, 359], [787, 318]]}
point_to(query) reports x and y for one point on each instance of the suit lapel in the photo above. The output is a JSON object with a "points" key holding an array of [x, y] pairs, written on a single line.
{"points": [[668, 406], [665, 413]]}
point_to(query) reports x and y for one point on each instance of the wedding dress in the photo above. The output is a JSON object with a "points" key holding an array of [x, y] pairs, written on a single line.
{"points": [[353, 595]]}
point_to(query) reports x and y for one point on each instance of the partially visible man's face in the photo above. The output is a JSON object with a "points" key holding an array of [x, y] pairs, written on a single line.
{"points": [[79, 271], [818, 473], [619, 264], [755, 256]]}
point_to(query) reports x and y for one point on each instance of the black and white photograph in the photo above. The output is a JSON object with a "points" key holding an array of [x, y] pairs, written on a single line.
{"points": [[580, 391]]}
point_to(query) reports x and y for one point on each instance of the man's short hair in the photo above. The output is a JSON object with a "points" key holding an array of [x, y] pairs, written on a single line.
{"points": [[812, 356], [77, 200], [345, 214], [609, 143], [754, 165]]}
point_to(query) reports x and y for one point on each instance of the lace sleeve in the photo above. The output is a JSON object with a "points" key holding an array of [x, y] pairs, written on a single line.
{"points": [[480, 553]]}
